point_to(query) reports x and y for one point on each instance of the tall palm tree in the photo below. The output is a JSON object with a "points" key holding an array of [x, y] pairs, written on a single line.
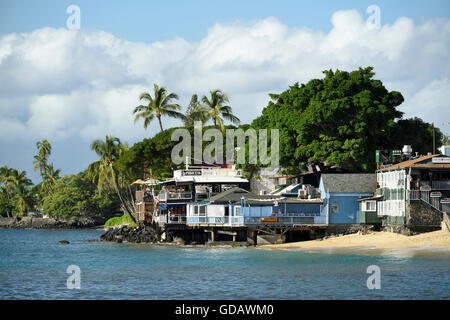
{"points": [[45, 148], [159, 105], [52, 176], [41, 163], [214, 107], [106, 174]]}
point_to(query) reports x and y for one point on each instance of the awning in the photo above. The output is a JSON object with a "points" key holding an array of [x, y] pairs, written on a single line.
{"points": [[138, 182]]}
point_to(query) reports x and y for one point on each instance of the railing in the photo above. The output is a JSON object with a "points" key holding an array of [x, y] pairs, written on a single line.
{"points": [[253, 221], [222, 221], [208, 172], [440, 185], [174, 195], [413, 195], [433, 199], [170, 219], [204, 195]]}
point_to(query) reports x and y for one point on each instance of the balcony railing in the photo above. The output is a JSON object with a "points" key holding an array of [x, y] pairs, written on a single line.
{"points": [[199, 196], [256, 221], [174, 195], [440, 185], [216, 221], [170, 219], [434, 199]]}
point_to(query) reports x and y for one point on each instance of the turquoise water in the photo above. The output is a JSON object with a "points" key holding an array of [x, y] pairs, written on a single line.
{"points": [[33, 266]]}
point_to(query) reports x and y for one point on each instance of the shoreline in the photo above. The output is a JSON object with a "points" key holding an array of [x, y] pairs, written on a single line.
{"points": [[34, 223], [431, 244]]}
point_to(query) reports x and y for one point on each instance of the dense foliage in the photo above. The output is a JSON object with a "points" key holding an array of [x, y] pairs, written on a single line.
{"points": [[118, 221], [16, 197], [76, 195], [338, 120]]}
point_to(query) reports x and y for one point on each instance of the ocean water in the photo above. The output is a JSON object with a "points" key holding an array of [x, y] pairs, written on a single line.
{"points": [[33, 266]]}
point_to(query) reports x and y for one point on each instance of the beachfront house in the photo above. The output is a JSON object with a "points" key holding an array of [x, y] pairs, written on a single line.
{"points": [[240, 208], [368, 213], [415, 193], [340, 194]]}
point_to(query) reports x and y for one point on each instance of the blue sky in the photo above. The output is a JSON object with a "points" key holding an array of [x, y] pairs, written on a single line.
{"points": [[148, 21], [72, 87]]}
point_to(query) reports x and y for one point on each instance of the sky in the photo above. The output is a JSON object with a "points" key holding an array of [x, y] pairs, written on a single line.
{"points": [[74, 86]]}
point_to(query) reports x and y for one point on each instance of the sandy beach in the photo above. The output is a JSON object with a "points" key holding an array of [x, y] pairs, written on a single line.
{"points": [[430, 244]]}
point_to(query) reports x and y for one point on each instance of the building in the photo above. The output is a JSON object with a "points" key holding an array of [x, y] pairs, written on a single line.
{"points": [[341, 192], [240, 208], [415, 193], [368, 213], [445, 150]]}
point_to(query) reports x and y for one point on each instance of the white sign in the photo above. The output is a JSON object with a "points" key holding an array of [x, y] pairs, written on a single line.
{"points": [[441, 160]]}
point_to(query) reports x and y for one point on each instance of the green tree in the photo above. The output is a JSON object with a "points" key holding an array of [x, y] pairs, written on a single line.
{"points": [[15, 191], [214, 108], [194, 112], [76, 195], [159, 105], [338, 120], [414, 132], [107, 175], [47, 172], [445, 140]]}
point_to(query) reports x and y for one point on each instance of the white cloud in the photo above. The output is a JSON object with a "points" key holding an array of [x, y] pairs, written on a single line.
{"points": [[63, 84]]}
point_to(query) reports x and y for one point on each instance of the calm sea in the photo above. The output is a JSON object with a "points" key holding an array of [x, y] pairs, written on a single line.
{"points": [[33, 266]]}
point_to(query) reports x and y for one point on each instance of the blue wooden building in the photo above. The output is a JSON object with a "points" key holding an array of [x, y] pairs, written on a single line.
{"points": [[340, 194], [240, 208]]}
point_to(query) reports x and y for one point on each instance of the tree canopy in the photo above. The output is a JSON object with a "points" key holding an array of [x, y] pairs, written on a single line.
{"points": [[338, 120]]}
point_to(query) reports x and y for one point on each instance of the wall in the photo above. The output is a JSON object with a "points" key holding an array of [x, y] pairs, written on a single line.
{"points": [[348, 207], [262, 181], [298, 208], [368, 217], [421, 215]]}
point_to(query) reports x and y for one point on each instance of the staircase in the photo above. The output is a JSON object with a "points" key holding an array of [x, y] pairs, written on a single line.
{"points": [[445, 222], [432, 200]]}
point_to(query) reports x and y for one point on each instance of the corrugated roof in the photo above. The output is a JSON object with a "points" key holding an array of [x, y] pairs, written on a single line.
{"points": [[350, 182], [235, 194], [411, 163]]}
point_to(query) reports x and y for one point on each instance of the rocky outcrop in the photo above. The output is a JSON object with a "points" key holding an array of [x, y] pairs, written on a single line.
{"points": [[126, 234], [51, 223]]}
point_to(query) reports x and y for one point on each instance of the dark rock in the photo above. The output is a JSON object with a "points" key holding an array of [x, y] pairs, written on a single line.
{"points": [[63, 242]]}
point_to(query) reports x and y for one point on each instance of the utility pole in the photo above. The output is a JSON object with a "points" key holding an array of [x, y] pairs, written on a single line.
{"points": [[434, 142]]}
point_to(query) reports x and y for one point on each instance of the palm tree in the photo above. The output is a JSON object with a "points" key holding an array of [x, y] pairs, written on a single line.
{"points": [[445, 140], [52, 176], [41, 163], [157, 106], [106, 174], [214, 107], [45, 148], [18, 185], [6, 193]]}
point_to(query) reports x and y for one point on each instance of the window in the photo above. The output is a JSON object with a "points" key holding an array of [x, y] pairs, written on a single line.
{"points": [[200, 210], [237, 211], [334, 208], [370, 206]]}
